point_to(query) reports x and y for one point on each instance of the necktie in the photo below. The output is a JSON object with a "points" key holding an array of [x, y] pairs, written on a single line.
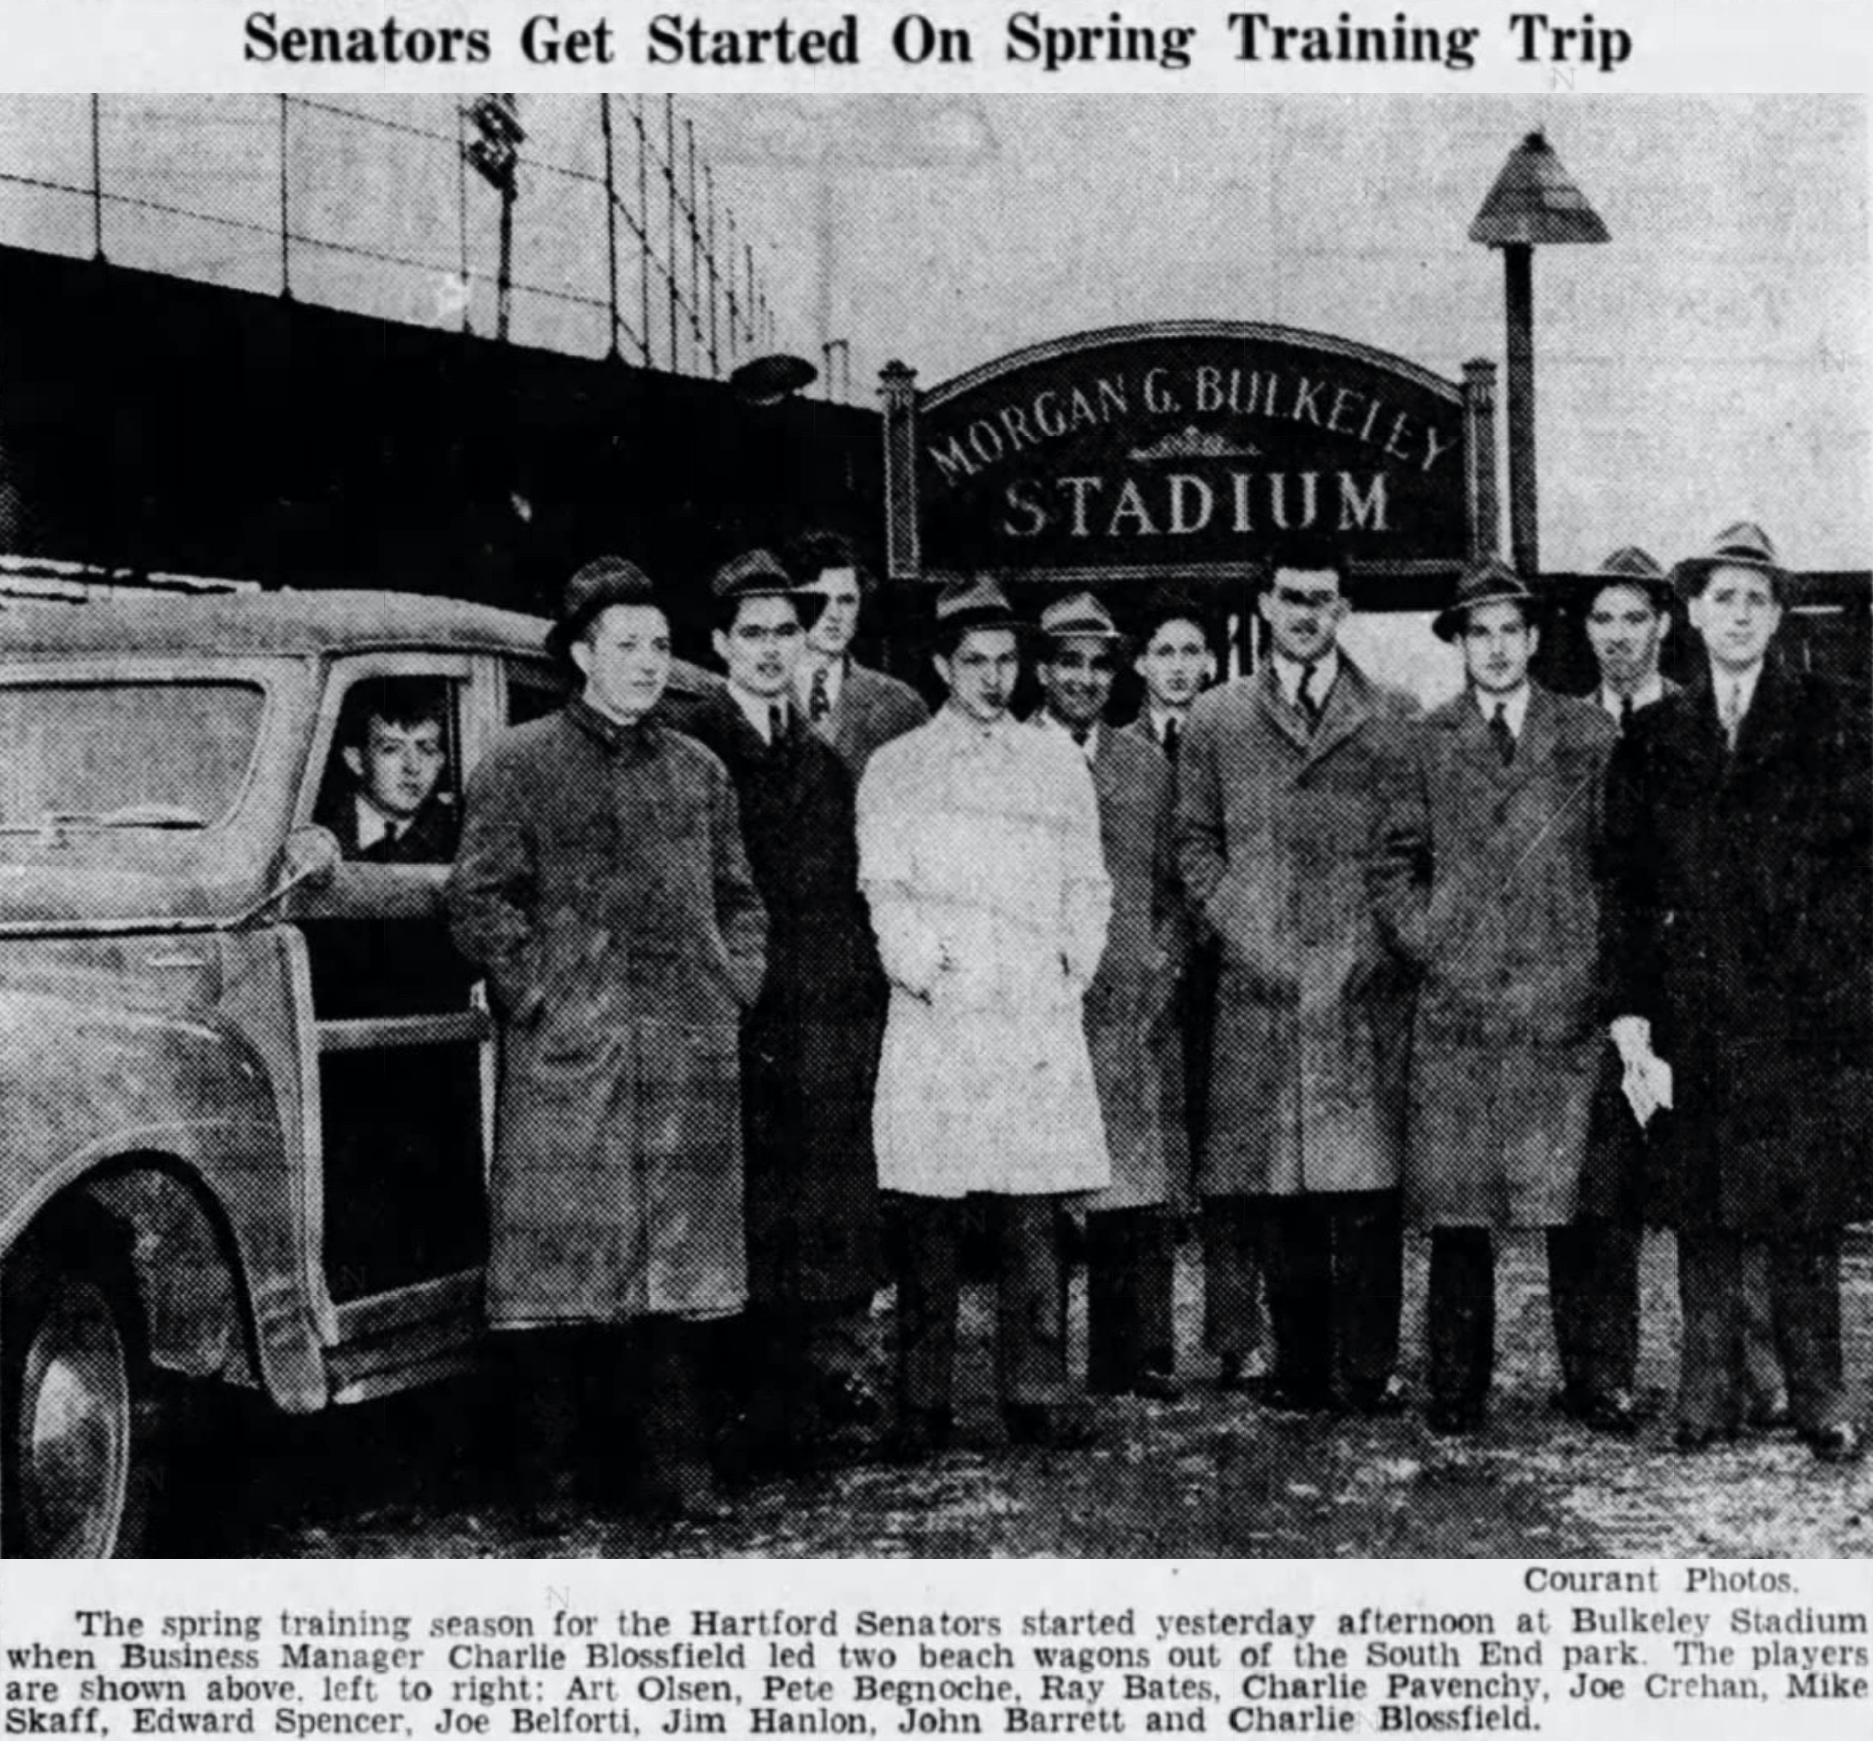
{"points": [[1625, 714], [819, 700], [1171, 735], [776, 723], [1311, 705], [1732, 712], [1500, 731]]}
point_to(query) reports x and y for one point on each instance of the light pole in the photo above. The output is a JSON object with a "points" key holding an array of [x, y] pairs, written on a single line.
{"points": [[1533, 204]]}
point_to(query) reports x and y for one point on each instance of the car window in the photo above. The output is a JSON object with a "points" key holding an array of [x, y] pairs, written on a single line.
{"points": [[391, 785], [131, 755], [532, 693]]}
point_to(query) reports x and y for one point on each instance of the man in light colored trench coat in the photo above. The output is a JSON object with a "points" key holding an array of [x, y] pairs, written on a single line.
{"points": [[1488, 883], [1281, 783], [979, 855], [603, 886], [1131, 1250]]}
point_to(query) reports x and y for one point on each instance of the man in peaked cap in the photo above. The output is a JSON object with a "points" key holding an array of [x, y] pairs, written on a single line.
{"points": [[980, 855], [1131, 1250], [1741, 908], [809, 1048], [1280, 784], [851, 706], [1487, 884], [602, 886]]}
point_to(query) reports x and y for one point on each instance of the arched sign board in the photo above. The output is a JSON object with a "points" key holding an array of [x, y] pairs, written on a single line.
{"points": [[1192, 450]]}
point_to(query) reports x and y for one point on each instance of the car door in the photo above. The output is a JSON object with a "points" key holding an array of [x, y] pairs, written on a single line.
{"points": [[400, 1031]]}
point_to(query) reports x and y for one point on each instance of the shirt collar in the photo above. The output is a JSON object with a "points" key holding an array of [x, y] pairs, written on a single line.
{"points": [[835, 670], [968, 732], [1158, 719], [1088, 749], [1289, 672], [1650, 691], [1724, 680], [373, 824], [1515, 706], [758, 710]]}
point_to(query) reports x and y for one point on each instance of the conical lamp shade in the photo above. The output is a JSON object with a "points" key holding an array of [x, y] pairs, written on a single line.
{"points": [[1534, 203]]}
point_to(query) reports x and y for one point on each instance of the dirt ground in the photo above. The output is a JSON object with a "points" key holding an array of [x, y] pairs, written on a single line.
{"points": [[1211, 1475]]}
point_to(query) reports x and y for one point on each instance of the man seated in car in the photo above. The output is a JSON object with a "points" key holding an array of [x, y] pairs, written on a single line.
{"points": [[392, 742]]}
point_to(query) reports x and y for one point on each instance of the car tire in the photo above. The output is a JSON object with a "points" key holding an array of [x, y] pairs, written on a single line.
{"points": [[77, 1408]]}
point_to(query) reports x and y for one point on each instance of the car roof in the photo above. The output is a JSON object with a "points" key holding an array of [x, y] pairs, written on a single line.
{"points": [[260, 623]]}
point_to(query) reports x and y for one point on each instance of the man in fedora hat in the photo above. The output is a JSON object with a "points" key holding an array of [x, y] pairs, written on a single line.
{"points": [[1487, 885], [1593, 1274], [1741, 907], [1131, 1249], [851, 706], [1280, 784], [602, 886], [979, 853], [809, 1049]]}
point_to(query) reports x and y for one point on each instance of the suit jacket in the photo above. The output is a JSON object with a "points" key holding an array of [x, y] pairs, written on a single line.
{"points": [[1488, 884], [872, 710], [1740, 915], [430, 838], [1274, 830]]}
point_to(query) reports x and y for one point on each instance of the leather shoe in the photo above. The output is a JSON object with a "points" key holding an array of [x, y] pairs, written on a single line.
{"points": [[1612, 1412], [1840, 1442], [1691, 1437], [1048, 1428], [918, 1434], [683, 1490], [1566, 1400], [1155, 1386], [1286, 1397], [1380, 1400], [1454, 1419], [1769, 1418], [1232, 1374]]}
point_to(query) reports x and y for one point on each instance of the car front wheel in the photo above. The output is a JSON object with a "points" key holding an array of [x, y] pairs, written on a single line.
{"points": [[76, 1408]]}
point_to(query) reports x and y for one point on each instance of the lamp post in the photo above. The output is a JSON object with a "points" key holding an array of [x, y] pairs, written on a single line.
{"points": [[1533, 204]]}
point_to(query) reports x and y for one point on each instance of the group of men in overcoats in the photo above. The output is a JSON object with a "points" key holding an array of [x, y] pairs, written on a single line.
{"points": [[1283, 946]]}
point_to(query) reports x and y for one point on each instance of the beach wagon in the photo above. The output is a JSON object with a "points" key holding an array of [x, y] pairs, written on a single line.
{"points": [[244, 1083]]}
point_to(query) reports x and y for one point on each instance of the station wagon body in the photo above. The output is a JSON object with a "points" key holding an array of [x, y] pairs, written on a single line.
{"points": [[228, 1155]]}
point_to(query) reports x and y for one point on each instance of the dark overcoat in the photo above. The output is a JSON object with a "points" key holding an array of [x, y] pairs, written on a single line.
{"points": [[810, 1048], [1488, 883], [1130, 1008], [602, 885], [1274, 830], [873, 709], [1613, 1178], [1740, 920]]}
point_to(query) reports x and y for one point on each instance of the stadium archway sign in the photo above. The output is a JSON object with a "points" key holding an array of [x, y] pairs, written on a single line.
{"points": [[1189, 449]]}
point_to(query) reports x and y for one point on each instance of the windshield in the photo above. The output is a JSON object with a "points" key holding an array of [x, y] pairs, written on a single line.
{"points": [[133, 755]]}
